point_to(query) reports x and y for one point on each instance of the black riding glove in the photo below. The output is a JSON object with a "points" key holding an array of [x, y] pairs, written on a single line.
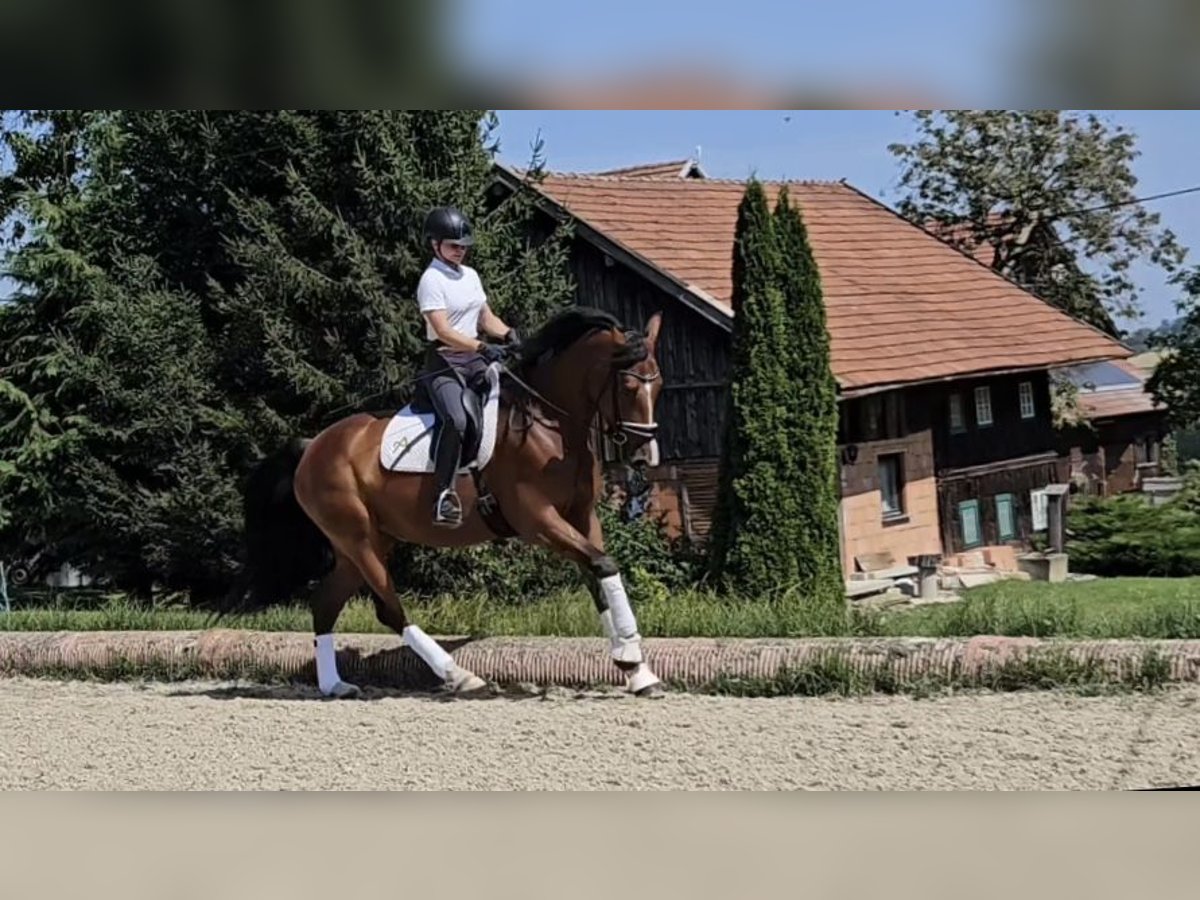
{"points": [[492, 352]]}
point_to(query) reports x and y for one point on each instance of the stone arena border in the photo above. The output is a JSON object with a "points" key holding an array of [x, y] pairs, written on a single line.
{"points": [[381, 660]]}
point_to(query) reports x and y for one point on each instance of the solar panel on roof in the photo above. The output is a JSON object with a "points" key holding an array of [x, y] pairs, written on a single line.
{"points": [[1100, 375]]}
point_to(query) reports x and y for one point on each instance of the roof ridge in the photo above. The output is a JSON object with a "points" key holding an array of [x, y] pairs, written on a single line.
{"points": [[699, 182], [641, 167]]}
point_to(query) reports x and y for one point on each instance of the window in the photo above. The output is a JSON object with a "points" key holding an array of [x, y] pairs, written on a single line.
{"points": [[891, 485], [983, 405], [883, 417], [1006, 516], [968, 516], [872, 418], [1038, 511], [1028, 410], [958, 422]]}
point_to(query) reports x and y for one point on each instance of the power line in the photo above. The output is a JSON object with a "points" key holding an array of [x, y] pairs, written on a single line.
{"points": [[1181, 191], [999, 228]]}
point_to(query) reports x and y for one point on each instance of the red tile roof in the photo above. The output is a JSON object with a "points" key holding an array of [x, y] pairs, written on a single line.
{"points": [[902, 305], [1124, 401], [1112, 404]]}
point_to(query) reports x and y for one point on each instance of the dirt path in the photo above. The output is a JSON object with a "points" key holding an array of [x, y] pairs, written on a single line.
{"points": [[204, 736]]}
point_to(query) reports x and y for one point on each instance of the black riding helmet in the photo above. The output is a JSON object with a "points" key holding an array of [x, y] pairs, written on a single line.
{"points": [[446, 223]]}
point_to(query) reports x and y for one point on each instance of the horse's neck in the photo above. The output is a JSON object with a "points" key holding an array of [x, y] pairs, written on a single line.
{"points": [[564, 383]]}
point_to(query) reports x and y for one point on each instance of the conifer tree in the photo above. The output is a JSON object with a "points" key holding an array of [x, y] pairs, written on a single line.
{"points": [[194, 287], [775, 526], [814, 480]]}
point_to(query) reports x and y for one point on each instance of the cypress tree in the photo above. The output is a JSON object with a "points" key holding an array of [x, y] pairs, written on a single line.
{"points": [[775, 526], [814, 479]]}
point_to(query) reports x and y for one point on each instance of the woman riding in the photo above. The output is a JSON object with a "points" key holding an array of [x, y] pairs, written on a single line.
{"points": [[454, 304]]}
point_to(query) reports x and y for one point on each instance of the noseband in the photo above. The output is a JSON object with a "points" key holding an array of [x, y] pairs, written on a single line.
{"points": [[620, 431]]}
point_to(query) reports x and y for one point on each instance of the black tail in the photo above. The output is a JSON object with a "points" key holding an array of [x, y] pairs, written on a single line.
{"points": [[284, 548]]}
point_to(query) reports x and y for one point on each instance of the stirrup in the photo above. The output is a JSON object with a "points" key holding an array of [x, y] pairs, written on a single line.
{"points": [[451, 518]]}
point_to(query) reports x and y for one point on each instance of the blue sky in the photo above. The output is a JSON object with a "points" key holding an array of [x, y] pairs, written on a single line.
{"points": [[838, 144]]}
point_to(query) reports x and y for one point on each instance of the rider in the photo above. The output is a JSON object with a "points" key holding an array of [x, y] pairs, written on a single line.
{"points": [[452, 300]]}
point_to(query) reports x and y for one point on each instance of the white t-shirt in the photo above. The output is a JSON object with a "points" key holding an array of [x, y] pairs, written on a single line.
{"points": [[459, 292]]}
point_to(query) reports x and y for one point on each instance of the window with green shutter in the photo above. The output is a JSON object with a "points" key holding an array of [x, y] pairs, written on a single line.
{"points": [[1006, 516], [968, 517]]}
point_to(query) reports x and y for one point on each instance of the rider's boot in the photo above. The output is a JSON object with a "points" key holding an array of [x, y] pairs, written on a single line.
{"points": [[447, 509]]}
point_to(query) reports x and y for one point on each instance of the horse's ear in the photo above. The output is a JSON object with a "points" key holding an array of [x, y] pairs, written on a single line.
{"points": [[652, 330]]}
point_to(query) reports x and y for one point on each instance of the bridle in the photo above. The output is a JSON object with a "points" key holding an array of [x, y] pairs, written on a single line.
{"points": [[620, 430]]}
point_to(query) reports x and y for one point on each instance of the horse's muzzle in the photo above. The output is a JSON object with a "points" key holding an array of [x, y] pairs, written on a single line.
{"points": [[642, 441]]}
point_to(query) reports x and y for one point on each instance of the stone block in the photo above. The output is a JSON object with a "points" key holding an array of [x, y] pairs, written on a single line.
{"points": [[1050, 567], [1001, 557]]}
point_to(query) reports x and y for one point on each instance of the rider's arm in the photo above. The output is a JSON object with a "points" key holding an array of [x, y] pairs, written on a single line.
{"points": [[446, 333], [492, 324]]}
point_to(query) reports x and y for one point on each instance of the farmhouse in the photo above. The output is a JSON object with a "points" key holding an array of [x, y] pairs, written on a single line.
{"points": [[946, 436]]}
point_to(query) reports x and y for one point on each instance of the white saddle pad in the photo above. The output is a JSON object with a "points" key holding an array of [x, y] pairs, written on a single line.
{"points": [[407, 439]]}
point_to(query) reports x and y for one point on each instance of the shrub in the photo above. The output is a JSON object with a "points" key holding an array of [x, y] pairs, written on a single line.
{"points": [[1127, 536], [775, 526]]}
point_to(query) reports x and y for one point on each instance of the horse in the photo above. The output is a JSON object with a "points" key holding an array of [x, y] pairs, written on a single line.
{"points": [[327, 508]]}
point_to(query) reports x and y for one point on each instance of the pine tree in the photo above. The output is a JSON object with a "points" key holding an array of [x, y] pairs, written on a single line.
{"points": [[195, 287], [775, 527]]}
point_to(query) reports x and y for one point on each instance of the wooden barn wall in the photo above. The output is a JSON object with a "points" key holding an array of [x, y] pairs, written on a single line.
{"points": [[1106, 461], [1008, 437], [1020, 481], [692, 352]]}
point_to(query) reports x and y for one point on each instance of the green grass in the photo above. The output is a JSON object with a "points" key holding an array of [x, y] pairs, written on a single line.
{"points": [[1115, 608], [570, 614], [1165, 608], [1043, 671]]}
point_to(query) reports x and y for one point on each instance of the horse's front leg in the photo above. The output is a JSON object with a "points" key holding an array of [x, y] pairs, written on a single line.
{"points": [[608, 590]]}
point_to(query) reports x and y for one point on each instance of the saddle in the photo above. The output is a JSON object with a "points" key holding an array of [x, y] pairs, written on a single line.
{"points": [[475, 394], [409, 439]]}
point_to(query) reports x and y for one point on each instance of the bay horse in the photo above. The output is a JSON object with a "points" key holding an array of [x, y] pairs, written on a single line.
{"points": [[327, 508]]}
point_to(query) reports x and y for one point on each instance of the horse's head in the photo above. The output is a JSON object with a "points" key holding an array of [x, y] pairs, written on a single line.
{"points": [[628, 403], [604, 369]]}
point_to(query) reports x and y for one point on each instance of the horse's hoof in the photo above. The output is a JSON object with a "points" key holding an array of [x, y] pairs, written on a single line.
{"points": [[644, 683], [462, 682], [343, 691]]}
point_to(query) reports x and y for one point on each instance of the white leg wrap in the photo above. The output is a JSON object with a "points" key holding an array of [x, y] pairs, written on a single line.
{"points": [[427, 648], [327, 673], [619, 623], [641, 678]]}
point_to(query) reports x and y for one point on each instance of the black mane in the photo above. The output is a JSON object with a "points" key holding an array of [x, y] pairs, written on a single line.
{"points": [[564, 329]]}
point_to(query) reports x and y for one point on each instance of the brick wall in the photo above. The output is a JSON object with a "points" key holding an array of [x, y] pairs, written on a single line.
{"points": [[863, 527], [689, 488]]}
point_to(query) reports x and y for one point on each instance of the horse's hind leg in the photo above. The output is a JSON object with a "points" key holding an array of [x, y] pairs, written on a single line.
{"points": [[369, 554], [330, 597]]}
